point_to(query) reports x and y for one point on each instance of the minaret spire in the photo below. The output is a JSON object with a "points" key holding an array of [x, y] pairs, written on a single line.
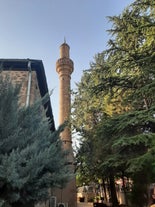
{"points": [[64, 39]]}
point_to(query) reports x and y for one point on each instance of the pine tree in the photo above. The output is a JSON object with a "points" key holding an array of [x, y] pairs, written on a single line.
{"points": [[124, 83], [31, 156], [131, 59]]}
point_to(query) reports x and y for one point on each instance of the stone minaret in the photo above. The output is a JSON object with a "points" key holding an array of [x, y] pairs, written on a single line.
{"points": [[64, 68]]}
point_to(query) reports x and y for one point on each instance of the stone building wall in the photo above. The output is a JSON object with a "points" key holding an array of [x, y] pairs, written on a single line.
{"points": [[21, 78]]}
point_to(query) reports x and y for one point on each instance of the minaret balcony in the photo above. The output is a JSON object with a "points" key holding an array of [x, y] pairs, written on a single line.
{"points": [[64, 61]]}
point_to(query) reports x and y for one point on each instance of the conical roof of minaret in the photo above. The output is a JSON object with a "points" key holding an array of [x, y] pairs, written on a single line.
{"points": [[64, 50], [64, 43]]}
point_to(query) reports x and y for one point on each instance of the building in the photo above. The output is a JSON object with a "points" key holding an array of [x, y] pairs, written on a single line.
{"points": [[30, 75]]}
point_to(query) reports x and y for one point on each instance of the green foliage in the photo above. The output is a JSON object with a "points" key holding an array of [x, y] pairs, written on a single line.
{"points": [[113, 109], [31, 156]]}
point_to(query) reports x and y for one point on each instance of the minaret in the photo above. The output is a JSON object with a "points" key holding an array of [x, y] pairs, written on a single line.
{"points": [[64, 68]]}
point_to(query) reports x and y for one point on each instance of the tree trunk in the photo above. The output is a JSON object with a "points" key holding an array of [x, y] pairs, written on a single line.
{"points": [[113, 191], [124, 189], [105, 192]]}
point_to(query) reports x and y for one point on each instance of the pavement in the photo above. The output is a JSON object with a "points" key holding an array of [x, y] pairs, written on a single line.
{"points": [[84, 204]]}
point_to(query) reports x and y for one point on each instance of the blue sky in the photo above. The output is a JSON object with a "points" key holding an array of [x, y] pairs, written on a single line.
{"points": [[36, 28]]}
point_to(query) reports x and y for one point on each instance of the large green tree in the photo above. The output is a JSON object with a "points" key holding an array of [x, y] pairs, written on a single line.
{"points": [[31, 156], [124, 83], [131, 54]]}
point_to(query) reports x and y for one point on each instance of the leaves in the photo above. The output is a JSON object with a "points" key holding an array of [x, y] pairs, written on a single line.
{"points": [[31, 156], [113, 109]]}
